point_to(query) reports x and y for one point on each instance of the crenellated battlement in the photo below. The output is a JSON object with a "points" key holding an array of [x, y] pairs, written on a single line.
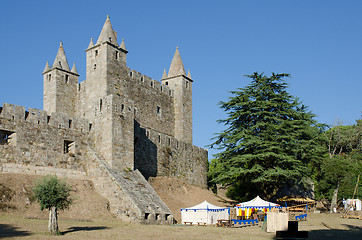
{"points": [[41, 117], [150, 83]]}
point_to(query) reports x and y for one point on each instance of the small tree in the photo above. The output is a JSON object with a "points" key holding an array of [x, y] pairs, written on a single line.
{"points": [[52, 194]]}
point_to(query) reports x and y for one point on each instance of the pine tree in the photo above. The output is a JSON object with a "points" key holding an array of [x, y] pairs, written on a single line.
{"points": [[269, 140]]}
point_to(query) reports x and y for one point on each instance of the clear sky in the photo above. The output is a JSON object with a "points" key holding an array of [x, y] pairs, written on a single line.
{"points": [[319, 42]]}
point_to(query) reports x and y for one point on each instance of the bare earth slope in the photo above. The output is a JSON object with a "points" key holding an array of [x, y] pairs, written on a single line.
{"points": [[88, 203], [177, 194]]}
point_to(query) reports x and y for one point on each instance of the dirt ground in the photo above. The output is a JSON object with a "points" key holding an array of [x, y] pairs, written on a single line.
{"points": [[89, 218]]}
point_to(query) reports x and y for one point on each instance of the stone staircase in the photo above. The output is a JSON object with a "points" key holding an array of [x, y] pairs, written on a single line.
{"points": [[130, 196]]}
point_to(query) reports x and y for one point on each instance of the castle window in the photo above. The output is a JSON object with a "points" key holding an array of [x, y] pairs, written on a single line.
{"points": [[159, 138], [100, 104], [70, 123], [69, 146], [90, 126], [159, 112], [141, 79], [151, 83], [187, 84], [116, 55], [167, 216], [122, 107], [26, 114], [110, 39], [48, 119], [166, 83], [7, 138], [157, 216], [66, 78], [95, 66], [96, 53], [49, 77], [130, 74], [147, 215]]}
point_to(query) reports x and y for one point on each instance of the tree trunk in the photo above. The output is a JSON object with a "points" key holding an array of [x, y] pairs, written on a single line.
{"points": [[334, 198], [53, 221]]}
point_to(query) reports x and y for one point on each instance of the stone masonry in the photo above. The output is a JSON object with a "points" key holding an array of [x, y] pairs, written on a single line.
{"points": [[116, 128]]}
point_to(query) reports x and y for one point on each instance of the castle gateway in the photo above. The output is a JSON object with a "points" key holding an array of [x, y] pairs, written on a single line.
{"points": [[116, 128]]}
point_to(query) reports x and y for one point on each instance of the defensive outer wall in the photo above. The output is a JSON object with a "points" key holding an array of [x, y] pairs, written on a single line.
{"points": [[118, 134]]}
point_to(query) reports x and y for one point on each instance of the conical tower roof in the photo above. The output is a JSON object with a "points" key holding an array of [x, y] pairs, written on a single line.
{"points": [[164, 74], [189, 74], [91, 44], [177, 66], [107, 33], [74, 69], [61, 60], [47, 68], [123, 45]]}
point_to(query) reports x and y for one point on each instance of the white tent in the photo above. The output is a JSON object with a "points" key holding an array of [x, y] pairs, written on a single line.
{"points": [[247, 208], [204, 213], [257, 203]]}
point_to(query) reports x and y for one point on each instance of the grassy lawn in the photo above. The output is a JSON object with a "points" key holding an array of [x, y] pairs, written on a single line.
{"points": [[110, 228]]}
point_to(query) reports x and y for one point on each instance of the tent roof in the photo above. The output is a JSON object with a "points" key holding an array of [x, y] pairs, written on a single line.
{"points": [[204, 205], [257, 202]]}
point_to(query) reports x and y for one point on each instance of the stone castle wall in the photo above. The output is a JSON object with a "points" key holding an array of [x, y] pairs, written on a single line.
{"points": [[47, 141], [158, 154]]}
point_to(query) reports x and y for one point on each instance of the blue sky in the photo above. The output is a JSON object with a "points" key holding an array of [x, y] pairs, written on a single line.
{"points": [[318, 42]]}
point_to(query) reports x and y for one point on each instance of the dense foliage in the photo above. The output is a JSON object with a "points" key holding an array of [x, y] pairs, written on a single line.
{"points": [[50, 192], [271, 139], [342, 163]]}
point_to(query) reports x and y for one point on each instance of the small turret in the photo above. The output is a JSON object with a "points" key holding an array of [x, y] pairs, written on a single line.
{"points": [[123, 45], [164, 75], [91, 44], [182, 87], [74, 69], [47, 68], [60, 85]]}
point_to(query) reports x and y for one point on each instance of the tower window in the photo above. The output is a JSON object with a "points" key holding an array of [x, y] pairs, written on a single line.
{"points": [[166, 83], [95, 66], [159, 112], [66, 78], [187, 84], [69, 146], [49, 77], [96, 53], [116, 55], [110, 39]]}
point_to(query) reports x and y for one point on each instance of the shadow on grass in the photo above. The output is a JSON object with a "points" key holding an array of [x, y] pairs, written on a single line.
{"points": [[352, 233], [7, 230], [78, 229]]}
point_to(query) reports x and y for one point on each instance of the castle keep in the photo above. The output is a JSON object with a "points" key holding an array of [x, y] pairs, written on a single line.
{"points": [[116, 128]]}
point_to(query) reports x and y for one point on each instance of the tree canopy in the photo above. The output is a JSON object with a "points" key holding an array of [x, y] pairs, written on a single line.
{"points": [[271, 139]]}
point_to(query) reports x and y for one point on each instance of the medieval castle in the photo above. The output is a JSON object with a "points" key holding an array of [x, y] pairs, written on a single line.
{"points": [[116, 128]]}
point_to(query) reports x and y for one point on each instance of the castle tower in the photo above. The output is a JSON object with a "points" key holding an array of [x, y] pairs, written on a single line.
{"points": [[177, 80], [105, 59], [60, 85]]}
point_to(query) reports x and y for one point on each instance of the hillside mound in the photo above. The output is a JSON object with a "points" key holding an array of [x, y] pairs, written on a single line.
{"points": [[178, 194], [15, 192], [88, 204]]}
